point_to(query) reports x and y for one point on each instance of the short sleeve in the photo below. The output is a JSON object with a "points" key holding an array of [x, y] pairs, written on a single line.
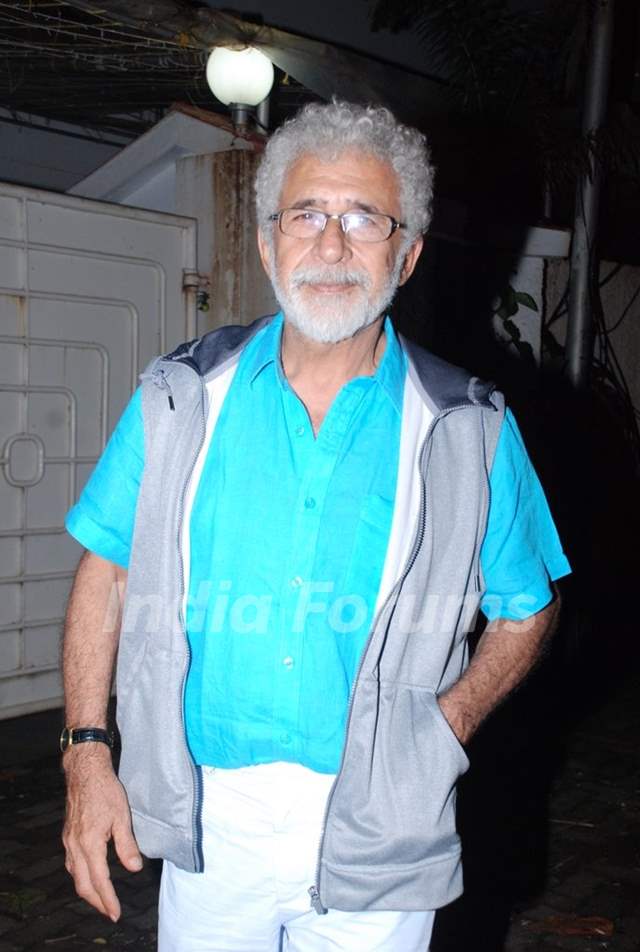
{"points": [[103, 518], [521, 554]]}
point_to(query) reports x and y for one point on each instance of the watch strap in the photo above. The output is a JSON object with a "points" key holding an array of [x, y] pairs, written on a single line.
{"points": [[79, 735]]}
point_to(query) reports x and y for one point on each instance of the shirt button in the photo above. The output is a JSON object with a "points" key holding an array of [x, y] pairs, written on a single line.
{"points": [[309, 503], [288, 661], [285, 738], [299, 431], [295, 582]]}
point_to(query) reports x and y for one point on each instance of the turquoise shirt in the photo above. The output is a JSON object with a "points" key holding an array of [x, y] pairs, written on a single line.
{"points": [[295, 559], [281, 595]]}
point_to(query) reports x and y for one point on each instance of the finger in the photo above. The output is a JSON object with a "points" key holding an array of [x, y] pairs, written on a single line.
{"points": [[77, 869], [95, 856], [126, 847]]}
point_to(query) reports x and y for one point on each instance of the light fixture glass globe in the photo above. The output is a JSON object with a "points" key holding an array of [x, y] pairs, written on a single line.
{"points": [[240, 76]]}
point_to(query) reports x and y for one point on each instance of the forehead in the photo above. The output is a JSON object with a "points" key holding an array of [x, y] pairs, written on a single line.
{"points": [[353, 179]]}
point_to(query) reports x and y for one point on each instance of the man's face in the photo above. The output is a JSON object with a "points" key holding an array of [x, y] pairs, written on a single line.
{"points": [[331, 286]]}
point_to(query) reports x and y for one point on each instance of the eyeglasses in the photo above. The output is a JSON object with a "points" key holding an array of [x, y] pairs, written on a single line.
{"points": [[359, 226]]}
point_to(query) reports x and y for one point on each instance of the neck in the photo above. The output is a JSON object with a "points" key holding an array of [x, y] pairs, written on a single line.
{"points": [[318, 371], [308, 360]]}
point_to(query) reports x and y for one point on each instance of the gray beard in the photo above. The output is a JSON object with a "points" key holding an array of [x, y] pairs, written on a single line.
{"points": [[329, 320]]}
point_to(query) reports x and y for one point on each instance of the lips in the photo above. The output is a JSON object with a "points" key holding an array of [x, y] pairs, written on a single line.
{"points": [[324, 281], [330, 288]]}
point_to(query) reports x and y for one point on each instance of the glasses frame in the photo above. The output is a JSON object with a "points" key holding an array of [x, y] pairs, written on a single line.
{"points": [[395, 224]]}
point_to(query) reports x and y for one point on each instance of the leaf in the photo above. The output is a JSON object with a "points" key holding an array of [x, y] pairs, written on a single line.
{"points": [[512, 330], [525, 351], [523, 298], [507, 304], [506, 310]]}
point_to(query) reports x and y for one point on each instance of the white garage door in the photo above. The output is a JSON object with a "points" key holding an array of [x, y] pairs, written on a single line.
{"points": [[89, 292]]}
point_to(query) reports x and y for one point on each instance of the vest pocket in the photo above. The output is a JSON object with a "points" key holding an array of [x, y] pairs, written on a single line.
{"points": [[394, 801], [443, 725]]}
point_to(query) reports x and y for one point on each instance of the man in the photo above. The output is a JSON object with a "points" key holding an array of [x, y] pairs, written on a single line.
{"points": [[307, 513]]}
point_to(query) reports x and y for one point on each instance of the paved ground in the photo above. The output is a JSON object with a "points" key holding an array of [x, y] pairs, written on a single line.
{"points": [[551, 817]]}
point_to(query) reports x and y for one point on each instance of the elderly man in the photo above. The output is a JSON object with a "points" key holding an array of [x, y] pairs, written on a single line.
{"points": [[307, 512]]}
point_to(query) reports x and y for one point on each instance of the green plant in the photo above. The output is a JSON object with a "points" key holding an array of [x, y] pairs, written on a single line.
{"points": [[508, 305]]}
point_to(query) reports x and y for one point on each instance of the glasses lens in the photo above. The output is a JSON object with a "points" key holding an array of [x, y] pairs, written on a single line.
{"points": [[360, 226], [301, 222], [367, 227]]}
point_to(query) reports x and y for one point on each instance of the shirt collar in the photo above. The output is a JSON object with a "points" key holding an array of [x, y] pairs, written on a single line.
{"points": [[268, 351], [389, 375], [393, 367]]}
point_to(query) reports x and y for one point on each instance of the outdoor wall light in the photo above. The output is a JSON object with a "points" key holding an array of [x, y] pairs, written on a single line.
{"points": [[240, 78]]}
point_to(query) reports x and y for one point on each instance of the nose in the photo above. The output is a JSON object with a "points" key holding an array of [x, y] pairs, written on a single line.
{"points": [[332, 244]]}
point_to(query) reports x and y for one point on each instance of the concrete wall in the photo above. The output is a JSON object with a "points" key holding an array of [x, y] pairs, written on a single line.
{"points": [[217, 190], [54, 157]]}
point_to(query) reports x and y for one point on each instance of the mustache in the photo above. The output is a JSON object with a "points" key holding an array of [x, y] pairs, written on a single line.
{"points": [[339, 276]]}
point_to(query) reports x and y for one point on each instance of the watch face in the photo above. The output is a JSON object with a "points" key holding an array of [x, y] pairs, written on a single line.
{"points": [[65, 739]]}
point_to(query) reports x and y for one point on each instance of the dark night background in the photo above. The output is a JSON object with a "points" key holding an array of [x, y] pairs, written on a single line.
{"points": [[506, 140]]}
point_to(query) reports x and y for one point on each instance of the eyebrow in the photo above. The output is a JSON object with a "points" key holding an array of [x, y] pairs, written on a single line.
{"points": [[353, 206]]}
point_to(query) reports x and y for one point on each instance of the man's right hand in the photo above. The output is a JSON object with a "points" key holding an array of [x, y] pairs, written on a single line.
{"points": [[97, 810]]}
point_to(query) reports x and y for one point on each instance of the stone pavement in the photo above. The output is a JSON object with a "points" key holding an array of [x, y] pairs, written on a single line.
{"points": [[550, 816]]}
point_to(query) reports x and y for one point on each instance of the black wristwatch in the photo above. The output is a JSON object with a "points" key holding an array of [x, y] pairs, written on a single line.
{"points": [[80, 735]]}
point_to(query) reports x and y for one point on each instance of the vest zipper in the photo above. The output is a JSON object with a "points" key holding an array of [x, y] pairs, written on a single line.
{"points": [[314, 889], [196, 772], [160, 379]]}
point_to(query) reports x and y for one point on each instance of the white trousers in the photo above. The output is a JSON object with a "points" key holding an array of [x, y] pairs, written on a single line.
{"points": [[261, 833]]}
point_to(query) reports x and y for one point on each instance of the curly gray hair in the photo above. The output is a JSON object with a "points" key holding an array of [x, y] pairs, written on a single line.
{"points": [[327, 130]]}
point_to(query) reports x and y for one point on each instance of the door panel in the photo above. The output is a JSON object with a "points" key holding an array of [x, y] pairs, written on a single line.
{"points": [[89, 292]]}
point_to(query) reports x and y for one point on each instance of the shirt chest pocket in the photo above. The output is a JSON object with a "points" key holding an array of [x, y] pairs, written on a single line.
{"points": [[370, 541]]}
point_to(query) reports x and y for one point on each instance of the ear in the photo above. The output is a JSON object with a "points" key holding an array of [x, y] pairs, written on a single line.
{"points": [[264, 251], [411, 259]]}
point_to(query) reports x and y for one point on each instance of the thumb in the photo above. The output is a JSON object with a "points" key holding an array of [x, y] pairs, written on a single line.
{"points": [[126, 847]]}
